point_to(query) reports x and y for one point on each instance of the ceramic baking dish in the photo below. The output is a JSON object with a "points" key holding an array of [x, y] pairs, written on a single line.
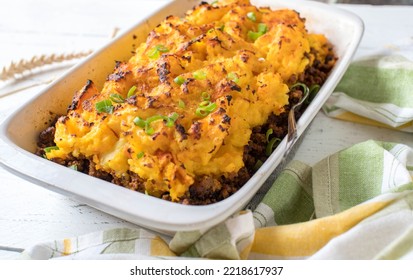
{"points": [[18, 133]]}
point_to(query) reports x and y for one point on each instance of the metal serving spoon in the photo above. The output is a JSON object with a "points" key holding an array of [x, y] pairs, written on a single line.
{"points": [[292, 124]]}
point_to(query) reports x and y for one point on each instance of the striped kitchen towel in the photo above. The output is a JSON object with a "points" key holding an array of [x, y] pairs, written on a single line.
{"points": [[375, 90], [355, 204]]}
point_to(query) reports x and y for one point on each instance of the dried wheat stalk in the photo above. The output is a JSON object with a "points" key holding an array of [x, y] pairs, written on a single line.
{"points": [[18, 68]]}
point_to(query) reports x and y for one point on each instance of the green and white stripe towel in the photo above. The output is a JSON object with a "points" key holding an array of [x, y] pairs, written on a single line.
{"points": [[355, 204], [376, 90]]}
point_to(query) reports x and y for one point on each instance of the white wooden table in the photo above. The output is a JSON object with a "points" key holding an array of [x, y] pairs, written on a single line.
{"points": [[30, 214]]}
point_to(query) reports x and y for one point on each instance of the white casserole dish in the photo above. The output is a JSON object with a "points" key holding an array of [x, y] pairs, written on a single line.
{"points": [[19, 131]]}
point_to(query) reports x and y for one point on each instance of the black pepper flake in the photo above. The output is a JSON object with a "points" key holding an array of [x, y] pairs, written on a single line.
{"points": [[221, 111], [244, 57], [226, 119], [211, 151], [181, 130], [150, 101], [235, 87], [196, 129], [131, 100], [229, 98], [163, 71]]}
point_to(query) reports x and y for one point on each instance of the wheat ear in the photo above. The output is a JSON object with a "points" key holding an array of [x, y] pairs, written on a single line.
{"points": [[18, 68]]}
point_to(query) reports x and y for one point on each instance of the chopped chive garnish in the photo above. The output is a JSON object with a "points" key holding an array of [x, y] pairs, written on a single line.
{"points": [[268, 133], [221, 27], [205, 96], [251, 16], [204, 103], [179, 80], [170, 121], [199, 75], [181, 104], [200, 112], [154, 118], [233, 77], [139, 122], [117, 98], [140, 155], [146, 124], [262, 29], [51, 148], [156, 51], [149, 130], [270, 146], [131, 91], [104, 106], [254, 35], [205, 108], [211, 107]]}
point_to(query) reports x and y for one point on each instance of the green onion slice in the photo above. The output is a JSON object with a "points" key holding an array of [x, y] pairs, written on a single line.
{"points": [[156, 51], [181, 104], [104, 106], [211, 107], [146, 124], [51, 148], [170, 121], [204, 103], [149, 130], [131, 91], [139, 122], [254, 35], [270, 146], [116, 98], [205, 108], [179, 80], [199, 75], [233, 77], [251, 16], [205, 96], [268, 133], [200, 112], [262, 29], [154, 118], [140, 155]]}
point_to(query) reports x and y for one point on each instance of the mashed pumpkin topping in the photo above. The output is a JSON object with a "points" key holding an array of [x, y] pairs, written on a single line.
{"points": [[185, 104]]}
